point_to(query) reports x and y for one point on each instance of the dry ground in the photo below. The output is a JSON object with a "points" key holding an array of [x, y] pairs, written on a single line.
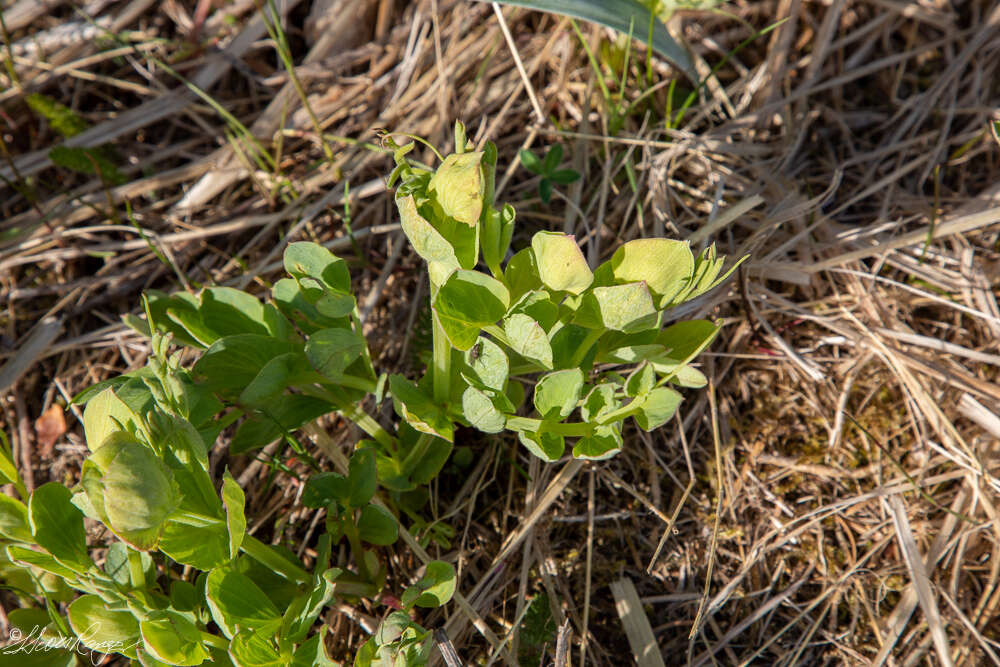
{"points": [[831, 500]]}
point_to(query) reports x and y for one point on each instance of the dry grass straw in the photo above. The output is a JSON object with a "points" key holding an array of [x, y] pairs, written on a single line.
{"points": [[856, 379]]}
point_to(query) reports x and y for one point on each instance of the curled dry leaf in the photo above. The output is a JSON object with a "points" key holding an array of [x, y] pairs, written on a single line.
{"points": [[48, 429]]}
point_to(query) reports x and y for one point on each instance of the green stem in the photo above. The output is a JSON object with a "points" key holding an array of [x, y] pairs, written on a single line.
{"points": [[418, 451], [354, 538], [352, 411], [442, 363], [136, 575], [573, 429], [585, 346], [266, 555]]}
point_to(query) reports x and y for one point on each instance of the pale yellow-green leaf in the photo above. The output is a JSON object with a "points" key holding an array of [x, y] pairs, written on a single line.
{"points": [[105, 414], [664, 264], [426, 240], [561, 264], [459, 185]]}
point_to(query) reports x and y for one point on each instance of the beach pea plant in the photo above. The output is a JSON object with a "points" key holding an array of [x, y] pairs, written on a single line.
{"points": [[149, 554]]}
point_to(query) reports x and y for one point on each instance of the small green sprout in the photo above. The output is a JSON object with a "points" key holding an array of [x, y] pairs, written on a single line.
{"points": [[548, 169]]}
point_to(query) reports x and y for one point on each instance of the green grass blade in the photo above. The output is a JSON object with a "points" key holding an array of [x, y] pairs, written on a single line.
{"points": [[623, 16]]}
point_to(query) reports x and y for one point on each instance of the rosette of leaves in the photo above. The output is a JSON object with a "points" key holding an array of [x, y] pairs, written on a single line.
{"points": [[589, 345]]}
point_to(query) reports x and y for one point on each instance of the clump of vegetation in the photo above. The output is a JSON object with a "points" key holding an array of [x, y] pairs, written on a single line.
{"points": [[182, 582]]}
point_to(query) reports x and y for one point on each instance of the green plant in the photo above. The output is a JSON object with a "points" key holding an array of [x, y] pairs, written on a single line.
{"points": [[548, 169], [182, 581]]}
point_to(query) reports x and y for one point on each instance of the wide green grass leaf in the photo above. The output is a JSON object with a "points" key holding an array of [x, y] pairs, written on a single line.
{"points": [[625, 16]]}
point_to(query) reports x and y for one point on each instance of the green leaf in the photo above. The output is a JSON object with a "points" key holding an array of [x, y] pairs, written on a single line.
{"points": [[42, 561], [627, 17], [304, 259], [90, 161], [528, 339], [312, 652], [336, 304], [640, 381], [27, 619], [488, 363], [561, 265], [459, 186], [184, 320], [557, 393], [426, 240], [479, 411], [565, 176], [521, 274], [234, 501], [14, 524], [603, 444], [419, 409], [540, 306], [116, 565], [547, 446], [171, 638], [467, 302], [657, 407], [305, 609], [232, 363], [361, 479], [324, 488], [688, 376], [8, 470], [434, 589], [229, 312], [271, 421], [201, 547], [599, 402], [706, 274], [249, 649], [684, 341], [531, 161], [433, 460], [290, 298], [139, 491], [331, 351], [237, 603], [184, 596], [274, 378], [100, 628], [566, 342], [104, 415], [628, 308], [63, 120], [377, 526], [57, 525], [665, 265], [552, 158]]}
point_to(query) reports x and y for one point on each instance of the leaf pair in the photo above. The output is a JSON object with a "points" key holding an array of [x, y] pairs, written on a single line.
{"points": [[548, 169]]}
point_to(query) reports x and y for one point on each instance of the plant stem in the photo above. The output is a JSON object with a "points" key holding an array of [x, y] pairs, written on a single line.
{"points": [[418, 451], [266, 555], [573, 429], [588, 342], [354, 412], [442, 361], [136, 575], [354, 538]]}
